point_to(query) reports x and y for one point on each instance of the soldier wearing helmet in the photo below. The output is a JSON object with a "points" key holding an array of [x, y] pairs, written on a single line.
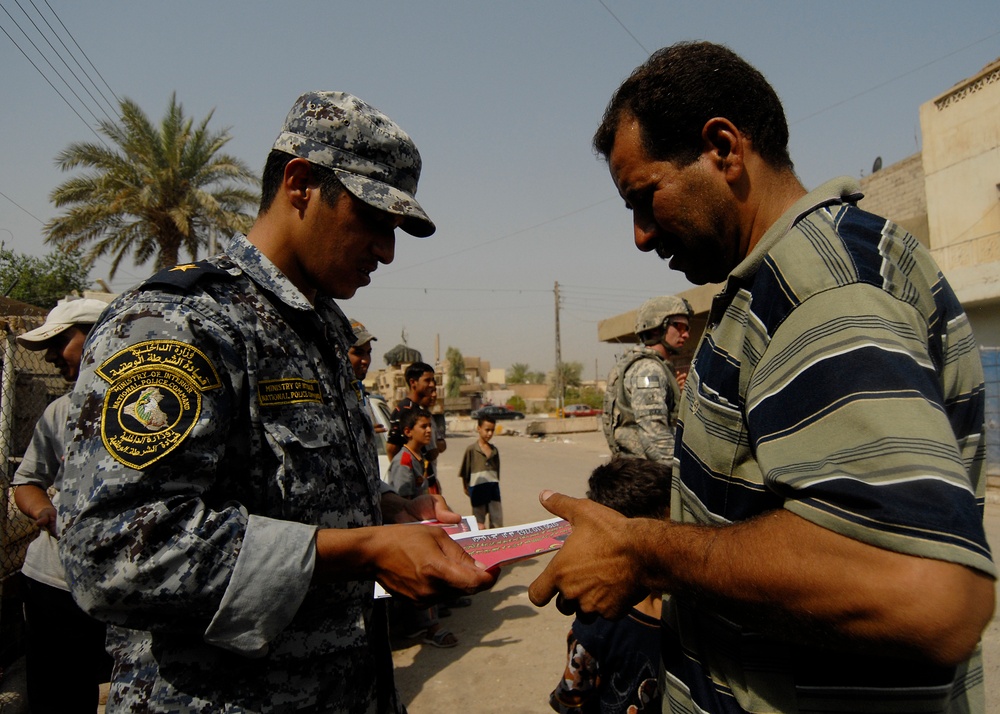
{"points": [[641, 400]]}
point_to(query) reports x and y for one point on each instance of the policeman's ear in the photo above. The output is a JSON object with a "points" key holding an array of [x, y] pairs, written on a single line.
{"points": [[298, 183], [725, 146]]}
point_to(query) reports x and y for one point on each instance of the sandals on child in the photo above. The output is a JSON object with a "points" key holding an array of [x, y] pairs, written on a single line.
{"points": [[440, 638]]}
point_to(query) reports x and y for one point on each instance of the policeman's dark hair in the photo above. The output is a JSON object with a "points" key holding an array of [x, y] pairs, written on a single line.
{"points": [[637, 488], [679, 88], [408, 419], [330, 186], [415, 371]]}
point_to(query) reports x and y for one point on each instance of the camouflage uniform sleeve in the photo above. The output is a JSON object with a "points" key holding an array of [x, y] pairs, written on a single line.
{"points": [[647, 384], [254, 609], [150, 540]]}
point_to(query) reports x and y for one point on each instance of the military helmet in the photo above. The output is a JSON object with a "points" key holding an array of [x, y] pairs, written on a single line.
{"points": [[654, 311]]}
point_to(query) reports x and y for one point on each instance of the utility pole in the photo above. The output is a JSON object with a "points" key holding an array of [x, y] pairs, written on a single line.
{"points": [[559, 384]]}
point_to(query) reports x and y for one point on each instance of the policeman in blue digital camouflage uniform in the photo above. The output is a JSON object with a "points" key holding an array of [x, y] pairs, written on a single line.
{"points": [[222, 502]]}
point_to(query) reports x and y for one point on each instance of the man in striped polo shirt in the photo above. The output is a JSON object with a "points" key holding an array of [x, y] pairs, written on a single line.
{"points": [[825, 551]]}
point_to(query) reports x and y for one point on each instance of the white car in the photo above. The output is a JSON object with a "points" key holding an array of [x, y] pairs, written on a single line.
{"points": [[380, 418]]}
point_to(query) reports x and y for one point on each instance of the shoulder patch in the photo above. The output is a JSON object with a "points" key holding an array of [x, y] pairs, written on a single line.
{"points": [[154, 399], [186, 275]]}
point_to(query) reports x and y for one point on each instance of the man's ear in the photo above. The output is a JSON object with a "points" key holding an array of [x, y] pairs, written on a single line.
{"points": [[725, 145], [297, 183]]}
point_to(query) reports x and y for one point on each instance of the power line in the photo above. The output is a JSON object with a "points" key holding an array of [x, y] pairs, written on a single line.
{"points": [[49, 63], [63, 60], [38, 69], [624, 28], [429, 289], [477, 246], [20, 206], [86, 57], [893, 79], [71, 56]]}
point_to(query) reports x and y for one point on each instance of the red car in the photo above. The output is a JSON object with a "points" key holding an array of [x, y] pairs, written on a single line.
{"points": [[580, 410]]}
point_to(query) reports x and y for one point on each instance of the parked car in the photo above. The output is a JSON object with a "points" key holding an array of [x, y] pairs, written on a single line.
{"points": [[580, 410], [497, 413]]}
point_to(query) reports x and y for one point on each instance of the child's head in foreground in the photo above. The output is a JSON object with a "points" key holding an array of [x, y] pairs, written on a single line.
{"points": [[637, 488]]}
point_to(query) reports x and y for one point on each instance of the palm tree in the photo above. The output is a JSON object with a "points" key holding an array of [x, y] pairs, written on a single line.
{"points": [[159, 190]]}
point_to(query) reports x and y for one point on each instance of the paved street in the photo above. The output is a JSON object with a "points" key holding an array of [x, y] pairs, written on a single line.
{"points": [[510, 653]]}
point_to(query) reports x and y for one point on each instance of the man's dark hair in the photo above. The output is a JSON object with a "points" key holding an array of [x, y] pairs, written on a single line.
{"points": [[637, 488], [408, 419], [415, 371], [330, 186], [486, 419], [679, 88]]}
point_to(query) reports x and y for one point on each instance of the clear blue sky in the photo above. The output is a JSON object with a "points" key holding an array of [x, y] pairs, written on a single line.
{"points": [[502, 99]]}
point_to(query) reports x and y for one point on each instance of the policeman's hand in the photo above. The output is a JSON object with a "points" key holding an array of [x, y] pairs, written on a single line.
{"points": [[598, 569], [423, 564], [429, 507]]}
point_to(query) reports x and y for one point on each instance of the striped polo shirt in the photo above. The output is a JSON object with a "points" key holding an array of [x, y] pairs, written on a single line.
{"points": [[837, 378]]}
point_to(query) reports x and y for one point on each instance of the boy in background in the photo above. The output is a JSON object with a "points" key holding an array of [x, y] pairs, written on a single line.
{"points": [[408, 471], [613, 665], [408, 478], [480, 474]]}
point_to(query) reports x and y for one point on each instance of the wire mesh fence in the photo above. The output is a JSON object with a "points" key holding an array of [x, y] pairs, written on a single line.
{"points": [[27, 385]]}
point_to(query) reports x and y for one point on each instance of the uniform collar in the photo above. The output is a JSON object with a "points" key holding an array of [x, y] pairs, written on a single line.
{"points": [[259, 268]]}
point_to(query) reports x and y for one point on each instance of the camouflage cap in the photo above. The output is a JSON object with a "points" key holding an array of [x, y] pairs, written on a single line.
{"points": [[654, 311], [361, 334], [374, 159]]}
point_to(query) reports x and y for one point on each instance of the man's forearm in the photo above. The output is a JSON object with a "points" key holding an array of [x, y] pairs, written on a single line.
{"points": [[31, 500], [800, 580]]}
